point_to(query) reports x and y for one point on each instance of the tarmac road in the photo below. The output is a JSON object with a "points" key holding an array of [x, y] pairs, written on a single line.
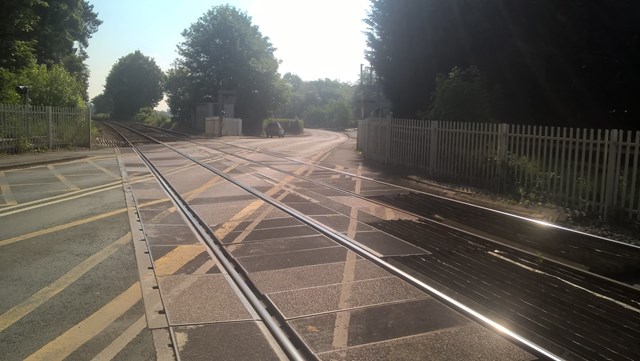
{"points": [[68, 277]]}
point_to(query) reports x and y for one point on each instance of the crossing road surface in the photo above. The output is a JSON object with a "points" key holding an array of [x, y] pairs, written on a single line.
{"points": [[243, 248]]}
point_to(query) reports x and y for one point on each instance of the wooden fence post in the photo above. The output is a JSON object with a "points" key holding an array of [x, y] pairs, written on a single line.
{"points": [[611, 176], [49, 127]]}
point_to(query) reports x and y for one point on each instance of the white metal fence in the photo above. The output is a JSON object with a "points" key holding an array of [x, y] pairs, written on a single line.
{"points": [[25, 128], [594, 170]]}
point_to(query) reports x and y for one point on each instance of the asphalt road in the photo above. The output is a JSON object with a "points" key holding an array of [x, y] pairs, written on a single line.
{"points": [[68, 277], [96, 263]]}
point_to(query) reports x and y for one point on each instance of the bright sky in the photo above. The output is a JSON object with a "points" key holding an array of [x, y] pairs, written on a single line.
{"points": [[315, 39]]}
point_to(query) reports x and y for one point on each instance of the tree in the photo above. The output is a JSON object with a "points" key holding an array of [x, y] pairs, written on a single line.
{"points": [[224, 51], [47, 86], [152, 117], [464, 96], [47, 32], [180, 91], [308, 99], [557, 62], [102, 104], [134, 82]]}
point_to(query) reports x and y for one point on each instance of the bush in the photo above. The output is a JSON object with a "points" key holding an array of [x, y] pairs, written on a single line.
{"points": [[334, 115], [101, 116], [47, 86], [152, 117]]}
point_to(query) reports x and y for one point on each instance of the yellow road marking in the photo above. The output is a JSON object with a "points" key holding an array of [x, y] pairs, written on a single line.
{"points": [[62, 178], [206, 266], [239, 217], [177, 258], [234, 244], [80, 193], [68, 342], [196, 192], [67, 198], [73, 224], [75, 337], [105, 170], [6, 191], [17, 312], [229, 226], [69, 195], [341, 325], [191, 195], [110, 352]]}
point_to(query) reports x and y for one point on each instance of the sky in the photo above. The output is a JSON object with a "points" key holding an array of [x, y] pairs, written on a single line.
{"points": [[315, 39]]}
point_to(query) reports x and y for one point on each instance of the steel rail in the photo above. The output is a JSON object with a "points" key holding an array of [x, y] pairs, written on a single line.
{"points": [[512, 336], [428, 194], [205, 232], [359, 196], [186, 137]]}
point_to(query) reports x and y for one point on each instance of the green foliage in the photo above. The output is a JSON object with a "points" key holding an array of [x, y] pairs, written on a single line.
{"points": [[47, 86], [305, 97], [47, 32], [222, 50], [462, 95], [101, 116], [134, 82], [180, 92], [13, 129], [153, 117], [339, 115], [334, 115], [557, 62], [526, 183], [102, 104], [18, 21]]}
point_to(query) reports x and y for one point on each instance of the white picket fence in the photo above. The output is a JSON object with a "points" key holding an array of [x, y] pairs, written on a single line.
{"points": [[593, 170], [24, 128]]}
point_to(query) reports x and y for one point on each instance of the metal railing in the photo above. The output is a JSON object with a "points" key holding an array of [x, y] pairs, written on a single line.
{"points": [[593, 170], [28, 128]]}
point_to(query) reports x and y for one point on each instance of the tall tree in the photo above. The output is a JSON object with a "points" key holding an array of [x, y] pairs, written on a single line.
{"points": [[102, 104], [134, 82], [556, 62], [222, 50], [180, 91], [47, 32]]}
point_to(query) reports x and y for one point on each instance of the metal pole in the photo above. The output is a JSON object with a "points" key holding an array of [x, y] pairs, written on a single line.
{"points": [[88, 115], [49, 127]]}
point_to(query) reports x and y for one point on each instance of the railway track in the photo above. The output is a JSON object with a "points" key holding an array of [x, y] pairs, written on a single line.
{"points": [[598, 255], [547, 303]]}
